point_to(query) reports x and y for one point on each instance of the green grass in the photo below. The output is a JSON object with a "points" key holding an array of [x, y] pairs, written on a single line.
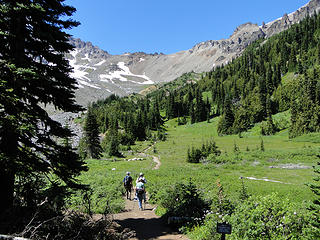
{"points": [[253, 163], [249, 162]]}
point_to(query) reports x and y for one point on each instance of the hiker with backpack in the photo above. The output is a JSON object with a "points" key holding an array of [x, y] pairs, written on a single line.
{"points": [[127, 183], [140, 192], [144, 180], [141, 177]]}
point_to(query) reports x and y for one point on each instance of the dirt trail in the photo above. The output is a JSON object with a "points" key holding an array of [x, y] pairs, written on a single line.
{"points": [[155, 158], [157, 161], [146, 224]]}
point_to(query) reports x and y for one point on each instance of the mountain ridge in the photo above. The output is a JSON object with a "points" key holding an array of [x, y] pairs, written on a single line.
{"points": [[100, 74]]}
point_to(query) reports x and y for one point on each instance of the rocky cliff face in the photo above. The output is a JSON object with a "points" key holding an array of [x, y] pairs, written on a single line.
{"points": [[287, 20], [99, 74]]}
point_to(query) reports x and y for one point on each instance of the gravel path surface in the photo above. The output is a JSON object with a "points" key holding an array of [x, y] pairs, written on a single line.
{"points": [[146, 223]]}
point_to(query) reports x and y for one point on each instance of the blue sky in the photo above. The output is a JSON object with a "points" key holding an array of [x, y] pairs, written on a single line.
{"points": [[168, 26]]}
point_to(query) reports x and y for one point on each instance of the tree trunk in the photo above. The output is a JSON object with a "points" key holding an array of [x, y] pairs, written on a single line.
{"points": [[8, 158], [6, 189]]}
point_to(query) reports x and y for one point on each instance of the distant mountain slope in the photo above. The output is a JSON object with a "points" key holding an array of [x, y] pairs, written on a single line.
{"points": [[100, 74]]}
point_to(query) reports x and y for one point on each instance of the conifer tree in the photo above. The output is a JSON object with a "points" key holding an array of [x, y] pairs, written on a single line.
{"points": [[114, 144], [226, 122], [244, 195], [140, 130], [34, 72], [91, 132]]}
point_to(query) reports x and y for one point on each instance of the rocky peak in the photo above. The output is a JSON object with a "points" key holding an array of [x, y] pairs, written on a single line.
{"points": [[245, 34], [246, 27], [87, 48], [287, 20]]}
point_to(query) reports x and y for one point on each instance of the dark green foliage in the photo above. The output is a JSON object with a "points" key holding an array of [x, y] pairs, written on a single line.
{"points": [[184, 200], [269, 217], [111, 143], [191, 104], [221, 208], [91, 136], [128, 119], [161, 135], [262, 149], [182, 121], [244, 195], [314, 208], [222, 204], [236, 148], [268, 127], [196, 155], [33, 73], [226, 121], [305, 108], [241, 120]]}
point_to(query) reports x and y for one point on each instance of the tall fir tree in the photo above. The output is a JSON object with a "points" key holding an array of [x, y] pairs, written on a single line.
{"points": [[226, 121], [34, 72], [91, 134]]}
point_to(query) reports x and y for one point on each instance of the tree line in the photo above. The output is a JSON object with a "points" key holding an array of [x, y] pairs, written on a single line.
{"points": [[120, 122], [271, 76]]}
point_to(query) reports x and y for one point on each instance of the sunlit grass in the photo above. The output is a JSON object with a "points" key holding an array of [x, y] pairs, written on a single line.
{"points": [[250, 161]]}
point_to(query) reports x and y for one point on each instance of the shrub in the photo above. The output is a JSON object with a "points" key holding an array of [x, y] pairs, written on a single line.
{"points": [[269, 217], [221, 207], [196, 155], [268, 127], [184, 200]]}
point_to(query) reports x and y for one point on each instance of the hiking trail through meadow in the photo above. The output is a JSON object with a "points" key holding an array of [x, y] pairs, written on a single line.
{"points": [[146, 223], [154, 158]]}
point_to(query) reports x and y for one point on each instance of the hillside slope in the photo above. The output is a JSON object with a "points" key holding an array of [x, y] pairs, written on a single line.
{"points": [[100, 74]]}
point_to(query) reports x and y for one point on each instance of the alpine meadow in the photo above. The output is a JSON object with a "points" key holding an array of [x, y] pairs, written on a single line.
{"points": [[238, 144]]}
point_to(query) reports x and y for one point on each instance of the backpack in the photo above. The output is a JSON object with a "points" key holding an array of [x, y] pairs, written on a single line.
{"points": [[127, 181], [140, 191]]}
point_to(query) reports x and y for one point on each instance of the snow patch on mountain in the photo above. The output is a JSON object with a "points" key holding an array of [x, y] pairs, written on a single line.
{"points": [[122, 75], [86, 57], [80, 71], [100, 63], [88, 84]]}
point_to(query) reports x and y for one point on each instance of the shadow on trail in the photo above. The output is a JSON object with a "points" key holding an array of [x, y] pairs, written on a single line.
{"points": [[150, 228]]}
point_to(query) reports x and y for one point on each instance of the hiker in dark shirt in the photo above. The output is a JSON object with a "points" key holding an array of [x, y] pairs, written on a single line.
{"points": [[127, 183]]}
